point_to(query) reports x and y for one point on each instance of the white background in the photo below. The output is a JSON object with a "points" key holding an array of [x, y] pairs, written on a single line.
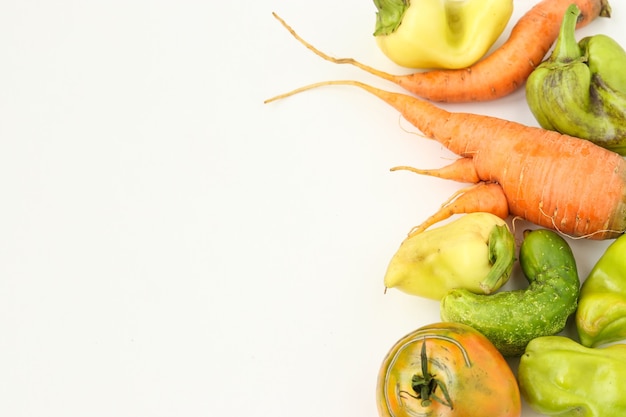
{"points": [[170, 245]]}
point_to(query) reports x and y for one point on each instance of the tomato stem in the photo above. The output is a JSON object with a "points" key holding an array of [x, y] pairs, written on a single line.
{"points": [[425, 384]]}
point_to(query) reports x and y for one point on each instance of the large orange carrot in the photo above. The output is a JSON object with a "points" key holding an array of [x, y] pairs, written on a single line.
{"points": [[553, 180], [500, 73]]}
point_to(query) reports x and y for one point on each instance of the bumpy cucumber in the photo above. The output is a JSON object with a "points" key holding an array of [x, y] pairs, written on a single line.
{"points": [[511, 319]]}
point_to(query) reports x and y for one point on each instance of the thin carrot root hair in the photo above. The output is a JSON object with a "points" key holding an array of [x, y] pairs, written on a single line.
{"points": [[411, 131], [513, 225], [556, 227], [587, 236]]}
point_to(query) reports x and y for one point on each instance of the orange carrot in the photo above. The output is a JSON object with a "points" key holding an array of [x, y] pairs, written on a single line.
{"points": [[553, 180], [501, 72]]}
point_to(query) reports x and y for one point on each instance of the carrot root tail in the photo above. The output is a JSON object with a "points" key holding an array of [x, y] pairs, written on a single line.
{"points": [[350, 61], [481, 197], [383, 95], [461, 170]]}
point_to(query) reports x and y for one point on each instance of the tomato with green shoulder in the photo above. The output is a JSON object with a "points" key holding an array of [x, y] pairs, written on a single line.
{"points": [[446, 370]]}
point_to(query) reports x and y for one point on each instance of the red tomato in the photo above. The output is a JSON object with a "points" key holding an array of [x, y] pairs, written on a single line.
{"points": [[446, 370]]}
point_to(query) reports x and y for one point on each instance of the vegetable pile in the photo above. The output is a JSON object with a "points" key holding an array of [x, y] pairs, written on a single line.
{"points": [[567, 177]]}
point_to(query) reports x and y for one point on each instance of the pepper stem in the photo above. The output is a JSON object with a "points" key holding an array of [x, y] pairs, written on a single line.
{"points": [[566, 48], [425, 384], [389, 15], [501, 256]]}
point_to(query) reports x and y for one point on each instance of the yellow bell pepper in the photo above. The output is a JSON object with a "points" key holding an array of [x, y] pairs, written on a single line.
{"points": [[475, 252], [439, 33]]}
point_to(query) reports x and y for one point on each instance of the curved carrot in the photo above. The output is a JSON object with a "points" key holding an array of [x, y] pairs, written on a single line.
{"points": [[501, 72], [480, 197], [553, 180]]}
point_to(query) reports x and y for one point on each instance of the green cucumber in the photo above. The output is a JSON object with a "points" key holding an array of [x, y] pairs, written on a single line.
{"points": [[511, 319]]}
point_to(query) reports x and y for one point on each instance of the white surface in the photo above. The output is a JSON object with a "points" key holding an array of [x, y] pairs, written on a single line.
{"points": [[171, 246]]}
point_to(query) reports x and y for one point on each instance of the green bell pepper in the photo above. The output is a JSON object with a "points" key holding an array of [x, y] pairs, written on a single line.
{"points": [[559, 377], [601, 314], [580, 90], [439, 33]]}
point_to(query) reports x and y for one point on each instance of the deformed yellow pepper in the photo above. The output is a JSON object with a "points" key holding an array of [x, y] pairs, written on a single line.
{"points": [[439, 33], [475, 252]]}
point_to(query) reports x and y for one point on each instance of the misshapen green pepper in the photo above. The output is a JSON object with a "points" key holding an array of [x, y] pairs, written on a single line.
{"points": [[559, 377], [601, 314], [439, 33], [475, 252], [580, 90]]}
